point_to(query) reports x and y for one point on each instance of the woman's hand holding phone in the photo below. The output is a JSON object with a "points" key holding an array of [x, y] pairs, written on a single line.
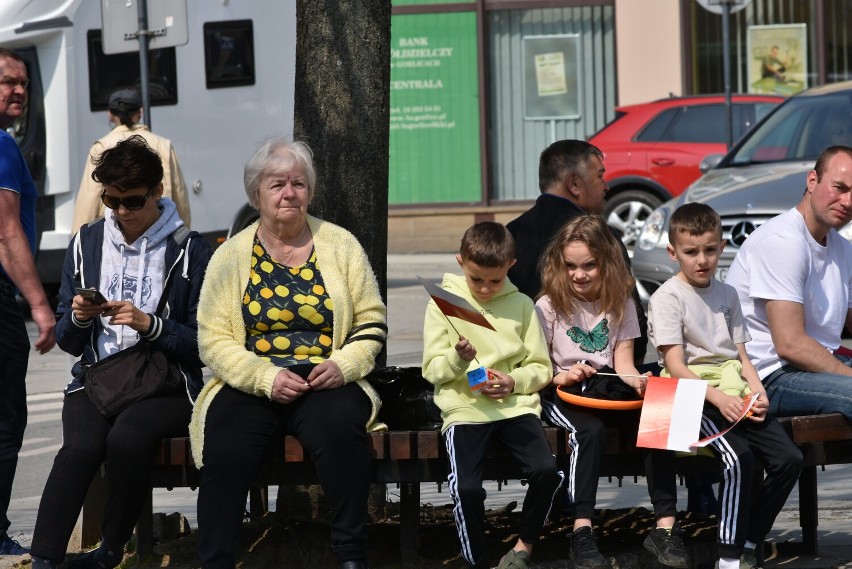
{"points": [[87, 304]]}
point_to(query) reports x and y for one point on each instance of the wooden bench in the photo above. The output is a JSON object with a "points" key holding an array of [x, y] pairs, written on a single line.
{"points": [[823, 440], [408, 458]]}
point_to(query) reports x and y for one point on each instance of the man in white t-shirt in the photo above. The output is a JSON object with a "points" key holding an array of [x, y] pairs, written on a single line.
{"points": [[793, 277]]}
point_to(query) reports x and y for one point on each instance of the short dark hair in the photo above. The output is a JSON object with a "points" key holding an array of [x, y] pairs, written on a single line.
{"points": [[694, 219], [5, 52], [827, 155], [488, 244], [563, 157], [128, 165]]}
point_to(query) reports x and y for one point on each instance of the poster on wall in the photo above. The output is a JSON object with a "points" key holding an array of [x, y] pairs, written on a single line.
{"points": [[551, 77], [434, 109], [777, 59]]}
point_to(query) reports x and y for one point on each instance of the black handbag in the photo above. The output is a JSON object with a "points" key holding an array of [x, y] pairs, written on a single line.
{"points": [[137, 373], [408, 400], [131, 375]]}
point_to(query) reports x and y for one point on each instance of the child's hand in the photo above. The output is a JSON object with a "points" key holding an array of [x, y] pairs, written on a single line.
{"points": [[760, 407], [730, 406], [465, 349], [639, 383], [499, 384], [574, 374]]}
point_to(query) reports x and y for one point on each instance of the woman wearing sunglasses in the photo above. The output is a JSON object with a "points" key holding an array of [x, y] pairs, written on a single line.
{"points": [[131, 256]]}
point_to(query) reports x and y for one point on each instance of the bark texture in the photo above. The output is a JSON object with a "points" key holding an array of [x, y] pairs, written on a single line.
{"points": [[342, 110]]}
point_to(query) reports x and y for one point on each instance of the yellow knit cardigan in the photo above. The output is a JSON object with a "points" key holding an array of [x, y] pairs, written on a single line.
{"points": [[354, 292]]}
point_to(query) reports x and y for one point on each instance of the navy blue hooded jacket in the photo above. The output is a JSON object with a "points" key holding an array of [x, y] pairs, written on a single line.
{"points": [[176, 334]]}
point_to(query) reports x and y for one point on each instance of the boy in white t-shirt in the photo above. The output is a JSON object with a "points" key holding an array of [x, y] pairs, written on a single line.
{"points": [[696, 324]]}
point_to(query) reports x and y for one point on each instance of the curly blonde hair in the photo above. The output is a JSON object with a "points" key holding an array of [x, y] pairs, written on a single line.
{"points": [[614, 279]]}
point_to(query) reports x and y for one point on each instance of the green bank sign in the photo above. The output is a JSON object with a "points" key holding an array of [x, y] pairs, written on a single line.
{"points": [[434, 114]]}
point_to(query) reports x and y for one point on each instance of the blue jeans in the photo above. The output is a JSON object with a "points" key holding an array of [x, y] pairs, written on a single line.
{"points": [[795, 392], [14, 354]]}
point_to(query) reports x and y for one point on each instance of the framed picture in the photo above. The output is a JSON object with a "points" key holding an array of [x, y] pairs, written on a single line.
{"points": [[777, 59], [552, 77]]}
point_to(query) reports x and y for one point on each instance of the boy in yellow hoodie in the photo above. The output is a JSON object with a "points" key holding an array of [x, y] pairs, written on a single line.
{"points": [[507, 407]]}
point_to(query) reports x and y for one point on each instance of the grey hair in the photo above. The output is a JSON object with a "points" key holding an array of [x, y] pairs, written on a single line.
{"points": [[279, 151]]}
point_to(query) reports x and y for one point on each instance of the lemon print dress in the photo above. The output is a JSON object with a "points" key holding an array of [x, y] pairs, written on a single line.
{"points": [[287, 311]]}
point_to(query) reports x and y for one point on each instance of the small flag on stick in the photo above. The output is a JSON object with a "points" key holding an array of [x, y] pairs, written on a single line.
{"points": [[671, 413], [748, 403], [454, 305]]}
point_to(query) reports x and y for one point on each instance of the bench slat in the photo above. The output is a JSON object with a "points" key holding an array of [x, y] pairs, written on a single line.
{"points": [[401, 445], [820, 428], [429, 445]]}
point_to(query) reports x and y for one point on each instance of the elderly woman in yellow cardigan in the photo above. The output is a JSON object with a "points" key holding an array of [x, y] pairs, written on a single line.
{"points": [[290, 321]]}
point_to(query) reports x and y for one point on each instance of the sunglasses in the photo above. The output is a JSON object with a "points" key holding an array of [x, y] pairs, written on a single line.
{"points": [[130, 202]]}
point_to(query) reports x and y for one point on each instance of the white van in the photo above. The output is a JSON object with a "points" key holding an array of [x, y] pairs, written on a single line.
{"points": [[229, 87]]}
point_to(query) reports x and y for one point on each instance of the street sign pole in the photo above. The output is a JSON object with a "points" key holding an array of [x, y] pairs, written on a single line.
{"points": [[142, 11], [125, 28], [726, 70], [725, 8]]}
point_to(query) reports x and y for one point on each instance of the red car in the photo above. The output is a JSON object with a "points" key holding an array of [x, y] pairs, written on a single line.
{"points": [[653, 150]]}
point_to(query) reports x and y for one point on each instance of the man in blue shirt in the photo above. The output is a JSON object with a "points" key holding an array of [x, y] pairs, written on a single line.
{"points": [[17, 271]]}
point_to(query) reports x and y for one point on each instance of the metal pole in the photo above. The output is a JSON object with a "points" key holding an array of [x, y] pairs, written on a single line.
{"points": [[726, 70], [142, 6]]}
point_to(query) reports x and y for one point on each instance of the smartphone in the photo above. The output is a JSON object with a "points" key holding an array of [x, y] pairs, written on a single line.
{"points": [[303, 370], [92, 295]]}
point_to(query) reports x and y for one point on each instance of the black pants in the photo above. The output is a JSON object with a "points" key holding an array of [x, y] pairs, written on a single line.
{"points": [[743, 516], [239, 431], [14, 356], [587, 438], [467, 445], [126, 443]]}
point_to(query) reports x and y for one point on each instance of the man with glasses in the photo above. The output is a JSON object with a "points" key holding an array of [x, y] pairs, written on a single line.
{"points": [[125, 110], [17, 272]]}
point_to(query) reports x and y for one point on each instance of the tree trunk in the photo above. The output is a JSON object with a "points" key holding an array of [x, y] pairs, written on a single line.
{"points": [[342, 110]]}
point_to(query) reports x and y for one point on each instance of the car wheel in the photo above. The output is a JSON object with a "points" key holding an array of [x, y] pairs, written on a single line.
{"points": [[245, 217], [627, 212]]}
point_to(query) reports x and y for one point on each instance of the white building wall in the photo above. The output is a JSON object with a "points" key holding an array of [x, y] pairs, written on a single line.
{"points": [[649, 50]]}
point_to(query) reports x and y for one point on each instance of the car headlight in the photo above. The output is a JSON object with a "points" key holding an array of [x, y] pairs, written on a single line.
{"points": [[654, 230]]}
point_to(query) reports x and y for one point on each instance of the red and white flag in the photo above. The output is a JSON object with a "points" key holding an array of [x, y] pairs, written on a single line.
{"points": [[671, 413], [454, 305], [748, 403]]}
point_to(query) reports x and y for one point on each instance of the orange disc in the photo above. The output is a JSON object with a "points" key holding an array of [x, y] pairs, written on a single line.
{"points": [[609, 404]]}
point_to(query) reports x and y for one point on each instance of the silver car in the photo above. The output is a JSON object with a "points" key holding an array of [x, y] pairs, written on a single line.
{"points": [[763, 175]]}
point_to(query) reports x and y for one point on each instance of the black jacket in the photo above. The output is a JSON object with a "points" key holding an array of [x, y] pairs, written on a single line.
{"points": [[178, 337], [533, 230]]}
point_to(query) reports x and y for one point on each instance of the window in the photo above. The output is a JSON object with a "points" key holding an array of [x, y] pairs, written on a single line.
{"points": [[653, 132], [801, 129], [229, 53], [121, 70]]}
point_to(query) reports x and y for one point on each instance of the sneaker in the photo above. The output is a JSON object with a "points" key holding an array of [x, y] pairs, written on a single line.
{"points": [[748, 560], [515, 560], [584, 552], [668, 547], [9, 546]]}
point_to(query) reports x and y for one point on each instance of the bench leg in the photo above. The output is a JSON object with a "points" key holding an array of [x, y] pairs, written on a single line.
{"points": [[409, 522], [808, 509], [145, 527], [258, 501]]}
